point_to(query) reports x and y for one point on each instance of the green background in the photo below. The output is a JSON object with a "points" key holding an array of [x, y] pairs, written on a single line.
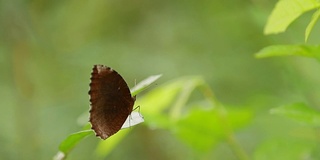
{"points": [[48, 48]]}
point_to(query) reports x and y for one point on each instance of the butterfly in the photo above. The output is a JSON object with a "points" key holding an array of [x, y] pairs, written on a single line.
{"points": [[111, 103]]}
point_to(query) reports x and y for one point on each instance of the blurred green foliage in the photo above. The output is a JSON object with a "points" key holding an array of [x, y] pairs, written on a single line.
{"points": [[47, 50]]}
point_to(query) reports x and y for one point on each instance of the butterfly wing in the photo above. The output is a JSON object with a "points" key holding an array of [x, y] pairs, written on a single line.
{"points": [[111, 101]]}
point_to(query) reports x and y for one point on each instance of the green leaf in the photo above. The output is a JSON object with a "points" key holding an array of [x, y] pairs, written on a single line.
{"points": [[144, 84], [299, 112], [203, 128], [288, 50], [310, 26], [285, 12], [70, 142], [239, 118], [155, 102], [284, 149]]}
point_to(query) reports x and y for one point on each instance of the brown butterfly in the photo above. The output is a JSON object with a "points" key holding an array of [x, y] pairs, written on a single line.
{"points": [[111, 102]]}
